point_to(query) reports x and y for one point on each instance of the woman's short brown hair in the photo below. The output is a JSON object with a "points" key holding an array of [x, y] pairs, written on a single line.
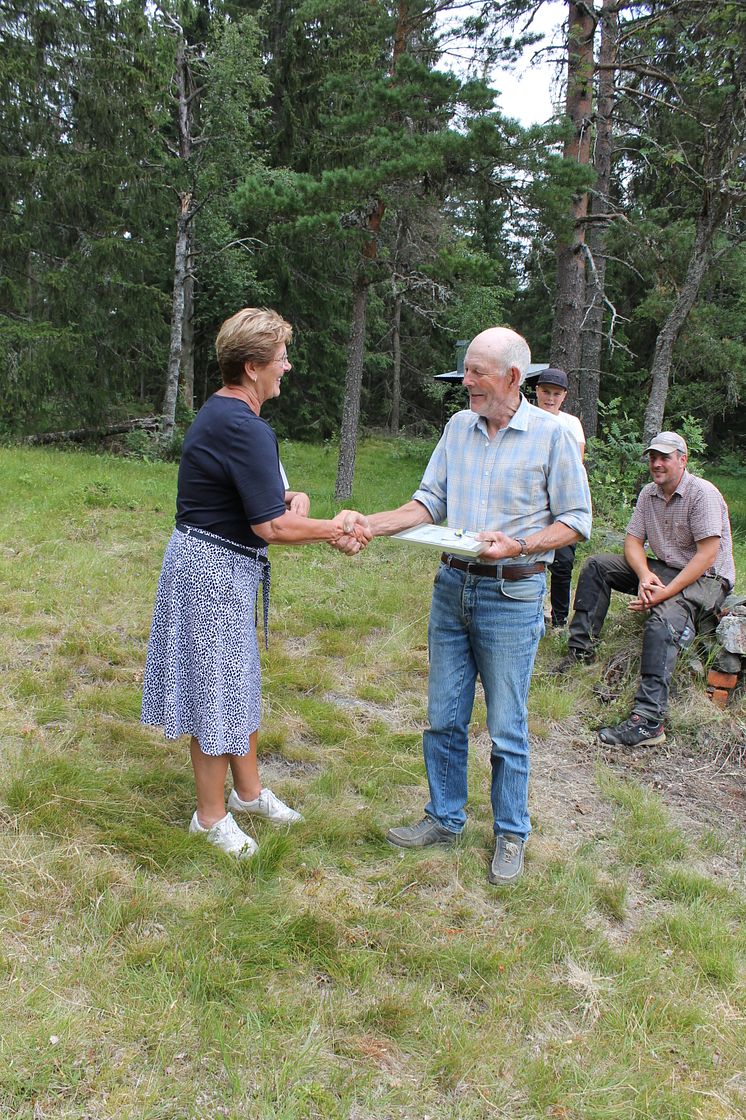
{"points": [[251, 335]]}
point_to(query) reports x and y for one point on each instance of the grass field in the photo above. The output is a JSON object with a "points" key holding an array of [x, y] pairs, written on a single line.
{"points": [[147, 977]]}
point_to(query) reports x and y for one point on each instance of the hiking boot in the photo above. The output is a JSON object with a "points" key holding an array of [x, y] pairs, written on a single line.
{"points": [[226, 835], [266, 805], [421, 835], [575, 657], [634, 732], [507, 862]]}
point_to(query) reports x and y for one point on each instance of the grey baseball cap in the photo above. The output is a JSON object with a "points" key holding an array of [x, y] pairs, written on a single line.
{"points": [[667, 442], [552, 376]]}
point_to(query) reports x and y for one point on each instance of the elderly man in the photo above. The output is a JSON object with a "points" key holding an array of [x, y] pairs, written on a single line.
{"points": [[684, 519], [510, 473]]}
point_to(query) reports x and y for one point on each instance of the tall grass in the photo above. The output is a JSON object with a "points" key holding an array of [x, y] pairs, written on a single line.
{"points": [[147, 977]]}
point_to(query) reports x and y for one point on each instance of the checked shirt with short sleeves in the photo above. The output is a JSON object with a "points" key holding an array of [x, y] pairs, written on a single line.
{"points": [[696, 510]]}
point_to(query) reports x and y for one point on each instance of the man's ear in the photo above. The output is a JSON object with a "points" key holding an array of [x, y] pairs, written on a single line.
{"points": [[515, 377]]}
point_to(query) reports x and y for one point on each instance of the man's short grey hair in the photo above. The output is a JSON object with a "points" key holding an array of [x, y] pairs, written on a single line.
{"points": [[517, 353]]}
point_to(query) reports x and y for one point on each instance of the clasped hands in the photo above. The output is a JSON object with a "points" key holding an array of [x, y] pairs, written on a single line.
{"points": [[649, 592], [354, 532]]}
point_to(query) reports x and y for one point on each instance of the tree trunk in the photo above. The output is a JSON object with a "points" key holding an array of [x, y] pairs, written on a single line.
{"points": [[185, 108], [353, 384], [177, 319], [568, 307], [187, 339], [596, 234], [82, 435], [660, 370], [723, 152], [395, 420], [356, 352]]}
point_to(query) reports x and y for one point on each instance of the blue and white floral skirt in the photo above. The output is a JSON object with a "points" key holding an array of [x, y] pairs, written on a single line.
{"points": [[202, 674]]}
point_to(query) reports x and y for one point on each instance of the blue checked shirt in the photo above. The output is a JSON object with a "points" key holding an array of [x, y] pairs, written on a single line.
{"points": [[524, 479]]}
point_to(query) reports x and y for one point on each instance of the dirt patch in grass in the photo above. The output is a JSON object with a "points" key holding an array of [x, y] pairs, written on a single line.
{"points": [[702, 780], [702, 783], [397, 715], [277, 766]]}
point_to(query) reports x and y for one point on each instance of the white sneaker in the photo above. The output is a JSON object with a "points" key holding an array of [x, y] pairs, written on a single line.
{"points": [[265, 805], [226, 835]]}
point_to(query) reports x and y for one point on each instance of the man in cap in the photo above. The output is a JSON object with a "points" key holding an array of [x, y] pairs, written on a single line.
{"points": [[685, 521], [506, 471], [551, 391]]}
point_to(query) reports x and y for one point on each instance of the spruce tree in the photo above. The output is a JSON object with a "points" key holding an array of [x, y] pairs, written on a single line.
{"points": [[80, 214]]}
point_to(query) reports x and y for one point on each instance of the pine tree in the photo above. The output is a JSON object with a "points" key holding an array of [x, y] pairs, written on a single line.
{"points": [[81, 325]]}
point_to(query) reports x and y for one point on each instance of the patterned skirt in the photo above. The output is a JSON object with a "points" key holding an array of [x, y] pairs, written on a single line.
{"points": [[202, 674]]}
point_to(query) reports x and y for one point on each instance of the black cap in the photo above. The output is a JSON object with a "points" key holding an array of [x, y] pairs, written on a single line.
{"points": [[553, 377]]}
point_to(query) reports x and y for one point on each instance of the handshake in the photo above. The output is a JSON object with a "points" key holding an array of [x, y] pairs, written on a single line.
{"points": [[353, 531]]}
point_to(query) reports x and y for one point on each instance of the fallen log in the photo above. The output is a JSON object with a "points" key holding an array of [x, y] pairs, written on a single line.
{"points": [[81, 435]]}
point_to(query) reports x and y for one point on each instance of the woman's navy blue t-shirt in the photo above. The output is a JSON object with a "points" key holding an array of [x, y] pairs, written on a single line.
{"points": [[229, 475]]}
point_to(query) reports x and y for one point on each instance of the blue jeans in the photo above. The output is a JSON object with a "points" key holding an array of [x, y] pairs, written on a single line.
{"points": [[491, 627]]}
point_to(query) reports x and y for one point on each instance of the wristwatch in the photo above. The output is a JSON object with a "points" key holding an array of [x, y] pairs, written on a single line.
{"points": [[524, 546]]}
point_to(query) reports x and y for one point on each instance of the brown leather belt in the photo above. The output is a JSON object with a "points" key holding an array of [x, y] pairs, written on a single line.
{"points": [[497, 571]]}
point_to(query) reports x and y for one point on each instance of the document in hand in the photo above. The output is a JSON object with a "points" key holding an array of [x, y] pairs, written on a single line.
{"points": [[457, 541]]}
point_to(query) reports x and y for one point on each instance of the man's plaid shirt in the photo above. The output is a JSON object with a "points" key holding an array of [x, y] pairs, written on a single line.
{"points": [[525, 478]]}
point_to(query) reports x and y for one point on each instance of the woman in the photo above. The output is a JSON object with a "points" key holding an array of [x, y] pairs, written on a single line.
{"points": [[202, 675]]}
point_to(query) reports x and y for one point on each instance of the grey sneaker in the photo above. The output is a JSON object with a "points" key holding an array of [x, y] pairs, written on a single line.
{"points": [[226, 835], [266, 805], [421, 835], [507, 862], [633, 732]]}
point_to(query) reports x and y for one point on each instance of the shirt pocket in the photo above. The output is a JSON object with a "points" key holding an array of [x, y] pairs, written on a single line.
{"points": [[528, 492]]}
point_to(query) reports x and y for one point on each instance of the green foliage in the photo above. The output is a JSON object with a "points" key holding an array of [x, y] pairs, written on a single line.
{"points": [[81, 309], [732, 463], [307, 112], [140, 445], [615, 464]]}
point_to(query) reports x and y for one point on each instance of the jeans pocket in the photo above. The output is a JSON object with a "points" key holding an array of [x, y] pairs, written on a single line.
{"points": [[524, 590]]}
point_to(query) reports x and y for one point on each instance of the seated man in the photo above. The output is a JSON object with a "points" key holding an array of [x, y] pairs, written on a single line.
{"points": [[685, 521]]}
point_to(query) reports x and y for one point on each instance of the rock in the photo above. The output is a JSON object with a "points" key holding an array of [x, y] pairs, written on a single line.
{"points": [[731, 631]]}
